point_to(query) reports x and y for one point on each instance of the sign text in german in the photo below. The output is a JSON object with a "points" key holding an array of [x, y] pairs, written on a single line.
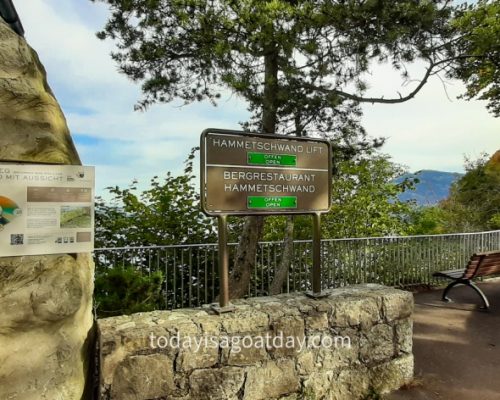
{"points": [[264, 174], [46, 209]]}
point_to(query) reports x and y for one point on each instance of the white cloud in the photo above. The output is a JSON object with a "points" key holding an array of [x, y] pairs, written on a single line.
{"points": [[435, 129]]}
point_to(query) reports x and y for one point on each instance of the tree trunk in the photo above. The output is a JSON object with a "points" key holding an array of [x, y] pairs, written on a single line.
{"points": [[286, 260], [244, 259]]}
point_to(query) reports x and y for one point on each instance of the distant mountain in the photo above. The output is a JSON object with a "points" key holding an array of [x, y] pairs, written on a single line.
{"points": [[433, 186]]}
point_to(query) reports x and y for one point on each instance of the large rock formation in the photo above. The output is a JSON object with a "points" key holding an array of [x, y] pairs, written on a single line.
{"points": [[32, 125], [45, 301]]}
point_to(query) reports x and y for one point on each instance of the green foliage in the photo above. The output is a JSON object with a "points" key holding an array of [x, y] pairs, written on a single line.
{"points": [[427, 221], [478, 65], [365, 199], [364, 202], [166, 213], [126, 291], [474, 202]]}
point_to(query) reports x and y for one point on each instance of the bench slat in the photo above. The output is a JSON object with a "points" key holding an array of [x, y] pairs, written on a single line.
{"points": [[473, 269], [452, 274], [488, 270], [492, 258], [485, 259], [487, 253], [489, 265]]}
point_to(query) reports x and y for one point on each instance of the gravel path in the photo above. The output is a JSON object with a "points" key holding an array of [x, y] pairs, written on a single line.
{"points": [[456, 346]]}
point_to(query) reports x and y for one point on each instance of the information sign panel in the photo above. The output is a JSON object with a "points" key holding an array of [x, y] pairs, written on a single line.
{"points": [[243, 173], [46, 209]]}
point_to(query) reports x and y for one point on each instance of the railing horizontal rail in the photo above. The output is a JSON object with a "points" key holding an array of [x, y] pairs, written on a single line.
{"points": [[190, 271]]}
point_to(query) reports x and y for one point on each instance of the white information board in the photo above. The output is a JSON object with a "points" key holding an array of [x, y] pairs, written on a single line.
{"points": [[46, 209]]}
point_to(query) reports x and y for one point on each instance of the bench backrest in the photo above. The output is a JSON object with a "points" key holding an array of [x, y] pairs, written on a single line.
{"points": [[482, 264]]}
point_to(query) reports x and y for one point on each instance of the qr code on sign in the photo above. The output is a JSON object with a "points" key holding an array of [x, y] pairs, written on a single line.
{"points": [[16, 239]]}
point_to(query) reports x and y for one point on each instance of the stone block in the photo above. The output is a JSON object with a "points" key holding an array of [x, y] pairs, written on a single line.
{"points": [[392, 374], [337, 352], [216, 384], [377, 344], [316, 321], [197, 354], [318, 385], [244, 321], [288, 330], [351, 384], [306, 362], [45, 324], [397, 304], [143, 378], [248, 350], [354, 311], [404, 336], [272, 379]]}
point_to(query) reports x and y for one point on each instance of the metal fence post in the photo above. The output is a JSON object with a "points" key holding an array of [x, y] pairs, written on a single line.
{"points": [[316, 267]]}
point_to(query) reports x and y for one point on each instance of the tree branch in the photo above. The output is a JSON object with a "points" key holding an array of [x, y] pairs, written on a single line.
{"points": [[381, 100]]}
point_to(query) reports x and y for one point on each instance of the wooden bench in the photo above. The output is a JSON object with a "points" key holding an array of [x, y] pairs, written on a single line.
{"points": [[480, 264]]}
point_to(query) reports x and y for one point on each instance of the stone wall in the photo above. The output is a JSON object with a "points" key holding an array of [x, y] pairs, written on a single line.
{"points": [[140, 357]]}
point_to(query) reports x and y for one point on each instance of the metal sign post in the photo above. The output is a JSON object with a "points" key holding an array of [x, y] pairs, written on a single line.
{"points": [[254, 174], [224, 305], [316, 269]]}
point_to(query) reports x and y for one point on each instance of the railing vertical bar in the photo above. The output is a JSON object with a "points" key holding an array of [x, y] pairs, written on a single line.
{"points": [[174, 267], [255, 270], [198, 265], [268, 268], [300, 267], [213, 274], [166, 279], [149, 261], [205, 288], [262, 267], [190, 281]]}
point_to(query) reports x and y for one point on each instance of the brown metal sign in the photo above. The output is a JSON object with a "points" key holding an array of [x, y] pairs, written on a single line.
{"points": [[252, 174]]}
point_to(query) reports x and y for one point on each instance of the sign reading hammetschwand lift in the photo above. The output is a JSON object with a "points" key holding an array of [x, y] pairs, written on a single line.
{"points": [[250, 174]]}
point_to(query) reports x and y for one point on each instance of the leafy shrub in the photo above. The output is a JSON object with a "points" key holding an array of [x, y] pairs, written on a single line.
{"points": [[126, 291]]}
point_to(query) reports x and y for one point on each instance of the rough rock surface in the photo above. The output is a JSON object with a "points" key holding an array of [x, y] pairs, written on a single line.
{"points": [[32, 125], [140, 358], [45, 301]]}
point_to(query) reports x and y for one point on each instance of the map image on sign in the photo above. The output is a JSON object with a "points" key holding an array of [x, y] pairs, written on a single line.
{"points": [[264, 174], [76, 217], [8, 210]]}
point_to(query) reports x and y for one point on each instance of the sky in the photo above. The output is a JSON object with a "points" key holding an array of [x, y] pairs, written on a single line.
{"points": [[432, 131]]}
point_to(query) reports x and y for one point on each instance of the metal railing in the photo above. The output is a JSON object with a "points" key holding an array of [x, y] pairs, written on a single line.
{"points": [[190, 272]]}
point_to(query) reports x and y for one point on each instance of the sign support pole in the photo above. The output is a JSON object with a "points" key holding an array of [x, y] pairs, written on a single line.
{"points": [[224, 305], [316, 253], [316, 278]]}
